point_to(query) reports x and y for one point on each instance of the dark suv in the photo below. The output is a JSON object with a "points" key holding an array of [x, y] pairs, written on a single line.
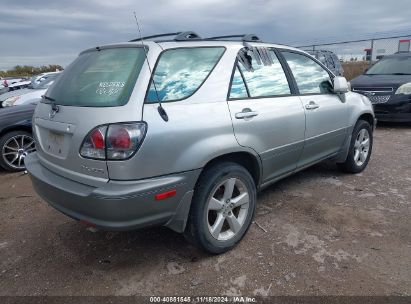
{"points": [[388, 85]]}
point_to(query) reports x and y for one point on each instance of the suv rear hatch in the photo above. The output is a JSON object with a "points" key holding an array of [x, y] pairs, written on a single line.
{"points": [[92, 93]]}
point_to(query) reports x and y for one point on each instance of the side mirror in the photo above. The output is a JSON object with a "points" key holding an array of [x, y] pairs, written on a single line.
{"points": [[340, 85]]}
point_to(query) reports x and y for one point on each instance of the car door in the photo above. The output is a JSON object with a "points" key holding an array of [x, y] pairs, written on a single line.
{"points": [[266, 116], [327, 116]]}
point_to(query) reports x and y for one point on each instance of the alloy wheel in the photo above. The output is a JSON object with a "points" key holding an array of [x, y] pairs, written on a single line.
{"points": [[227, 209], [361, 147], [15, 149]]}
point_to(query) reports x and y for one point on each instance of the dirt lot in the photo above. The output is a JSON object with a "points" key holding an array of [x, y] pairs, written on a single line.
{"points": [[327, 234]]}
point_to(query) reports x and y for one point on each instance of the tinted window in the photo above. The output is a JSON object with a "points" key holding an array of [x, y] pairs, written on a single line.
{"points": [[180, 72], [238, 89], [99, 78], [265, 80], [311, 78], [390, 66]]}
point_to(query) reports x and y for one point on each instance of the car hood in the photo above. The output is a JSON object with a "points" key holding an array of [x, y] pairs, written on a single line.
{"points": [[393, 81], [4, 96], [29, 96]]}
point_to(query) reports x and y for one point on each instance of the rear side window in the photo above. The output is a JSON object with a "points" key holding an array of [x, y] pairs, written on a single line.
{"points": [[180, 72], [261, 80], [102, 78], [311, 78], [238, 88]]}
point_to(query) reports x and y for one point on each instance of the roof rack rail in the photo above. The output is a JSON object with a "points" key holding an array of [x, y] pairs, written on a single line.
{"points": [[244, 37], [155, 36], [189, 35], [179, 36]]}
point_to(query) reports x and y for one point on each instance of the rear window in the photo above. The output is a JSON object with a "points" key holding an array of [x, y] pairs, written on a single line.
{"points": [[180, 72], [102, 78]]}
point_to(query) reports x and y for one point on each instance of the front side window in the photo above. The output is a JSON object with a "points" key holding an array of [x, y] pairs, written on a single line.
{"points": [[99, 78], [180, 72], [265, 80], [311, 78]]}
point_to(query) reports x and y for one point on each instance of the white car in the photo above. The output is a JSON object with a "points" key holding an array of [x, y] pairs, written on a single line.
{"points": [[10, 84], [29, 95], [43, 76], [19, 85]]}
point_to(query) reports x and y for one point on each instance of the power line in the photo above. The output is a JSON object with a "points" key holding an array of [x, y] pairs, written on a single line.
{"points": [[404, 32], [353, 41]]}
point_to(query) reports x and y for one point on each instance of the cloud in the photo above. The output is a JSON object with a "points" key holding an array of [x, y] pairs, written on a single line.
{"points": [[52, 31]]}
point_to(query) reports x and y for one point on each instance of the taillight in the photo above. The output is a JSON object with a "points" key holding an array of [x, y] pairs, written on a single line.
{"points": [[94, 144], [97, 139], [114, 141], [119, 138]]}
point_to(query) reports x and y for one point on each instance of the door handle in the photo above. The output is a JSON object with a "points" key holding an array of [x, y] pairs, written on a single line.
{"points": [[246, 113], [311, 105]]}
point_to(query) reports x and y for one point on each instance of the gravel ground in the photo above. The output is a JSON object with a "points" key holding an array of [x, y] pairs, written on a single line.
{"points": [[326, 233]]}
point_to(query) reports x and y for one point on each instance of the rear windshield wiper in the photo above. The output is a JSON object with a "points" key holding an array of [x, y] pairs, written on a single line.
{"points": [[400, 74], [48, 98]]}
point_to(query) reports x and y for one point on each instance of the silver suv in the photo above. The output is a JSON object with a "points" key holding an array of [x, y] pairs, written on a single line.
{"points": [[184, 132]]}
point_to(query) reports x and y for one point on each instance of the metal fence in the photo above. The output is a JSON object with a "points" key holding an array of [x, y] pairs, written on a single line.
{"points": [[365, 49]]}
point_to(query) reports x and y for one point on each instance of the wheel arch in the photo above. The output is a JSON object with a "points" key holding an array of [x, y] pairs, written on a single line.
{"points": [[248, 160], [13, 128], [368, 117]]}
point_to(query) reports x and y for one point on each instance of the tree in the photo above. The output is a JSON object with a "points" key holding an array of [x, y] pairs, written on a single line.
{"points": [[27, 70]]}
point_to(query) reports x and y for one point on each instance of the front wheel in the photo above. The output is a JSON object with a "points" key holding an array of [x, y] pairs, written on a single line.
{"points": [[360, 148], [222, 208]]}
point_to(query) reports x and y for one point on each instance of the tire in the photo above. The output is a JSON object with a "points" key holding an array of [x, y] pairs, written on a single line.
{"points": [[213, 209], [15, 144], [356, 163]]}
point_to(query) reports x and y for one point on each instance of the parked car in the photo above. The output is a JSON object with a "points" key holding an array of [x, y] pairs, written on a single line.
{"points": [[19, 85], [330, 60], [25, 96], [388, 85], [190, 145], [10, 84], [11, 80], [43, 76], [16, 139]]}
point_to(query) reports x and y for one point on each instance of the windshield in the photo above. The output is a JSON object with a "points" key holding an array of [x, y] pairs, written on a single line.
{"points": [[400, 65], [100, 78]]}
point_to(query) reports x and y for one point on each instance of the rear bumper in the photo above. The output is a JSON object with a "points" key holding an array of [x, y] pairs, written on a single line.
{"points": [[118, 205]]}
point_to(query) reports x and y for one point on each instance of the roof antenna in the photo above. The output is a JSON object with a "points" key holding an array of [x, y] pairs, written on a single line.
{"points": [[160, 108]]}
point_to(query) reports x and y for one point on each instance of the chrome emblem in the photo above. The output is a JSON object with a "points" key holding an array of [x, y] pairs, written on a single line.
{"points": [[368, 93], [54, 110]]}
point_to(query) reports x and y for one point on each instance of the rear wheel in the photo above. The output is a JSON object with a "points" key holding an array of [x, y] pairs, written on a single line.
{"points": [[360, 148], [222, 209], [14, 147]]}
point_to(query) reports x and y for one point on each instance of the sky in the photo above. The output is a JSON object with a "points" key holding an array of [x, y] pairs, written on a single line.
{"points": [[54, 31]]}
